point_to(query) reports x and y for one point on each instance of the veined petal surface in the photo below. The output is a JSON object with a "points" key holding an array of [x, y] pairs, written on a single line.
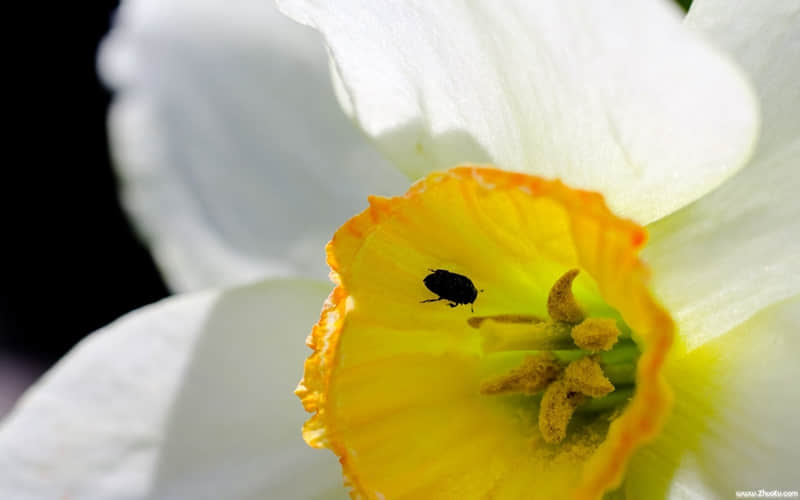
{"points": [[730, 254], [234, 157], [188, 398], [616, 97], [734, 425]]}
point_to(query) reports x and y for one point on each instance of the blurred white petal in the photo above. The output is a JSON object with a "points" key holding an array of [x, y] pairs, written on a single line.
{"points": [[191, 398], [234, 157], [734, 425], [732, 253], [764, 38], [617, 97]]}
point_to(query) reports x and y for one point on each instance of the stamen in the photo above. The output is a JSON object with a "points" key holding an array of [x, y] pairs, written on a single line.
{"points": [[476, 321], [586, 376], [583, 377], [535, 373], [544, 336], [596, 334], [558, 405], [571, 380], [561, 303]]}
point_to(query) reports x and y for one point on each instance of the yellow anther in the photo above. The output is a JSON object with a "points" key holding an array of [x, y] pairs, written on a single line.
{"points": [[581, 378], [561, 304], [596, 334], [586, 376], [531, 377], [555, 412]]}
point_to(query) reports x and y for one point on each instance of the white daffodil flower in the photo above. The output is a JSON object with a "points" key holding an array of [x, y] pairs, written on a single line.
{"points": [[238, 165]]}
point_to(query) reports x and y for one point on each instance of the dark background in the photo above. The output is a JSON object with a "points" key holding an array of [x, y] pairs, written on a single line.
{"points": [[71, 262]]}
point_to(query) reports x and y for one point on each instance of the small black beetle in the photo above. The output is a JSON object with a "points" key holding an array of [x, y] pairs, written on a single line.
{"points": [[455, 288]]}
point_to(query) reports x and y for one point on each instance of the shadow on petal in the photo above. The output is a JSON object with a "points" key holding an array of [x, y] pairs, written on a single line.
{"points": [[234, 428], [417, 150]]}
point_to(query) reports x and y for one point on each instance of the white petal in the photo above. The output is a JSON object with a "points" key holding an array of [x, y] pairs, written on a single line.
{"points": [[606, 95], [191, 398], [734, 425], [764, 38], [235, 159], [725, 257]]}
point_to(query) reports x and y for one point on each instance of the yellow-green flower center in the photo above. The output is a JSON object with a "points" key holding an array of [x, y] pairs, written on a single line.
{"points": [[570, 364]]}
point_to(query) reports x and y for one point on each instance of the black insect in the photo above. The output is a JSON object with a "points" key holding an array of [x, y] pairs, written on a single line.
{"points": [[455, 288]]}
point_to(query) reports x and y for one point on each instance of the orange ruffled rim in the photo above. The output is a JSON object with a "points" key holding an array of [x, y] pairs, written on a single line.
{"points": [[643, 417]]}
